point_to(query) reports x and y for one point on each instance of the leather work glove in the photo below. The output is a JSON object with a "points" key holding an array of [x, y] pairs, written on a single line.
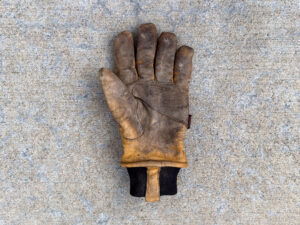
{"points": [[148, 97]]}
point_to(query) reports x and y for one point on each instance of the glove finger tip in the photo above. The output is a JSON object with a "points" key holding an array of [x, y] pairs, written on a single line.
{"points": [[103, 72]]}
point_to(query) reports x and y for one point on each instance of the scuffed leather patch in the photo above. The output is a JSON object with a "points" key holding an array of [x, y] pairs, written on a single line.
{"points": [[165, 98]]}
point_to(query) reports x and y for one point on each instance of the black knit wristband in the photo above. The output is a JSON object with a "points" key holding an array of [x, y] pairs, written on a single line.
{"points": [[167, 180]]}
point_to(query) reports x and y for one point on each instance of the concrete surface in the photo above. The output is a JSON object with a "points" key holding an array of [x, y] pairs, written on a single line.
{"points": [[60, 148]]}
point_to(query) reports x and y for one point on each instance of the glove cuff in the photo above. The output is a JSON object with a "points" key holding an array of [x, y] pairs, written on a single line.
{"points": [[167, 181]]}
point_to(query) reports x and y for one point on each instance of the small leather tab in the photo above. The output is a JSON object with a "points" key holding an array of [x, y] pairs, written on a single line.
{"points": [[189, 121], [152, 190]]}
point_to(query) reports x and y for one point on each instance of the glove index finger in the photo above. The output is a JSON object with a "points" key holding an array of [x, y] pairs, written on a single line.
{"points": [[124, 57]]}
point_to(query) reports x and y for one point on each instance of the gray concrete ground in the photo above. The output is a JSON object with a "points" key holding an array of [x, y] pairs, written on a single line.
{"points": [[60, 147]]}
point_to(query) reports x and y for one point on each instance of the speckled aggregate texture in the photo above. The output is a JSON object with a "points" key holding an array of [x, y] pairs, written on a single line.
{"points": [[60, 148]]}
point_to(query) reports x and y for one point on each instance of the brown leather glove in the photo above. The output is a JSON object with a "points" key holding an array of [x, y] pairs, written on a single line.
{"points": [[150, 103]]}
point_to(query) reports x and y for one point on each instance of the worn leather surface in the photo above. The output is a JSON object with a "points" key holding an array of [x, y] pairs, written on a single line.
{"points": [[148, 97]]}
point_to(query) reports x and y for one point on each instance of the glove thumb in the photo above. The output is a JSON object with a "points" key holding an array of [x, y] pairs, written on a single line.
{"points": [[121, 103]]}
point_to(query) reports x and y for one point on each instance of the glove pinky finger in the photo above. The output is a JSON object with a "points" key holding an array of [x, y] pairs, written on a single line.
{"points": [[183, 67]]}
